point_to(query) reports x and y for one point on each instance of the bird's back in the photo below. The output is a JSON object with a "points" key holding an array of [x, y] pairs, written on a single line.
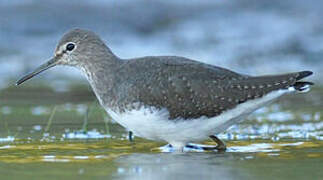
{"points": [[189, 89]]}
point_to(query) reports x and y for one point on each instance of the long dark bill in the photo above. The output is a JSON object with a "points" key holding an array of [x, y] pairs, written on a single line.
{"points": [[51, 63]]}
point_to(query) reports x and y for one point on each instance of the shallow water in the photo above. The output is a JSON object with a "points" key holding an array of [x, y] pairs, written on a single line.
{"points": [[51, 139], [122, 160]]}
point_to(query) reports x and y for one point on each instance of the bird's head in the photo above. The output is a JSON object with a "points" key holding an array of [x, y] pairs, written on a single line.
{"points": [[77, 47]]}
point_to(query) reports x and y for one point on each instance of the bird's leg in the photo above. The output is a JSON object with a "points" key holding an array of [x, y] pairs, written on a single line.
{"points": [[220, 144], [220, 147], [130, 136]]}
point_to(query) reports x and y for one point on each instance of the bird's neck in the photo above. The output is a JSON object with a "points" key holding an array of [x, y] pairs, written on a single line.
{"points": [[101, 76]]}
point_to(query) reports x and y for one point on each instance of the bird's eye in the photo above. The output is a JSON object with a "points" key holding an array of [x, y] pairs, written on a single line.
{"points": [[70, 46]]}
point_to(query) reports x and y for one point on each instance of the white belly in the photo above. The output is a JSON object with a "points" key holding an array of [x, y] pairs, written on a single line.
{"points": [[154, 124]]}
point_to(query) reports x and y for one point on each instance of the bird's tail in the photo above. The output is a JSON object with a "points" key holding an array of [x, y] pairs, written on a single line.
{"points": [[302, 86], [291, 81]]}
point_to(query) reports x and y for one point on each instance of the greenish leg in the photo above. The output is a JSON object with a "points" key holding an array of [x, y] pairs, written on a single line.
{"points": [[220, 144], [130, 136]]}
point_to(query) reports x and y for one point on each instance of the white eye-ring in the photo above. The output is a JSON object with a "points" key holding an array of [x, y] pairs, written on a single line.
{"points": [[70, 46]]}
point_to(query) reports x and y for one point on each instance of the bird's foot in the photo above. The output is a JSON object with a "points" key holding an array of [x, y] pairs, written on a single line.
{"points": [[220, 147], [220, 144], [166, 148], [197, 147]]}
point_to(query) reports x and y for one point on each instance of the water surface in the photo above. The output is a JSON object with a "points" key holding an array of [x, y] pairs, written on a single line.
{"points": [[74, 138]]}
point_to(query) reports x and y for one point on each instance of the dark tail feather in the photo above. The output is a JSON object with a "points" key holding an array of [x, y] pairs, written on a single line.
{"points": [[303, 86], [303, 74]]}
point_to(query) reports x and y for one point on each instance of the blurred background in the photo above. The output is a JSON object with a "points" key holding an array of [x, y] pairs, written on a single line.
{"points": [[248, 36]]}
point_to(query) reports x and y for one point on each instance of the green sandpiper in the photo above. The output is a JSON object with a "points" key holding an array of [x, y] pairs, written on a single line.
{"points": [[169, 98]]}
